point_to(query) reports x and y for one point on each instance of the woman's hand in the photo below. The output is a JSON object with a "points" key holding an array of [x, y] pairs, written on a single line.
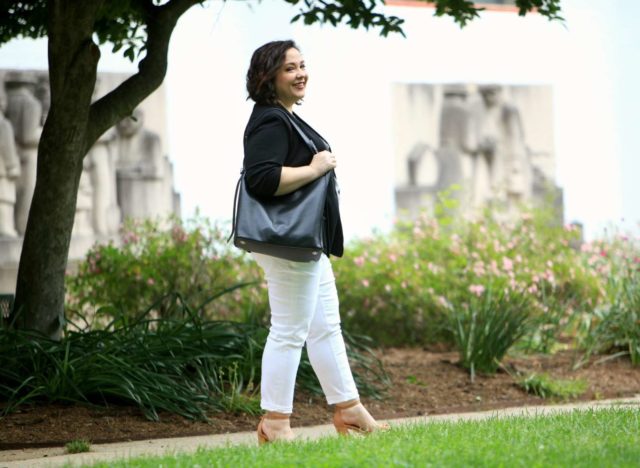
{"points": [[323, 162], [292, 178]]}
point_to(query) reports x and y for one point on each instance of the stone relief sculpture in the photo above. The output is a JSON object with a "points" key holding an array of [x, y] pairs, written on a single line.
{"points": [[83, 225], [100, 165], [125, 173], [502, 155], [9, 172], [144, 174], [480, 145], [457, 139], [24, 112]]}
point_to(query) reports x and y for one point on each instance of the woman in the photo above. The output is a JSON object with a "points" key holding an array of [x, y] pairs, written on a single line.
{"points": [[302, 296]]}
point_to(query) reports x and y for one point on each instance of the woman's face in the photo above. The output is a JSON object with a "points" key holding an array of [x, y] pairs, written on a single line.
{"points": [[291, 80]]}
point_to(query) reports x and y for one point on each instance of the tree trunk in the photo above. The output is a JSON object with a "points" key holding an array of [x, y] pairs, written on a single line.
{"points": [[73, 125], [73, 61]]}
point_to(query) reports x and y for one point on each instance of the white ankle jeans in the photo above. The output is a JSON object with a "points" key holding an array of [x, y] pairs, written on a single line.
{"points": [[304, 308]]}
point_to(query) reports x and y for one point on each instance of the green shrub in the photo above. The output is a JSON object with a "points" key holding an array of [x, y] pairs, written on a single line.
{"points": [[545, 386], [614, 325], [78, 446], [157, 258], [485, 327], [401, 288], [186, 365]]}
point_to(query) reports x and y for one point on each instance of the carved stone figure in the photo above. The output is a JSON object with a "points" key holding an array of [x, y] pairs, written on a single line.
{"points": [[144, 177], [24, 112], [457, 139], [82, 223], [9, 173], [43, 94], [502, 149], [101, 164]]}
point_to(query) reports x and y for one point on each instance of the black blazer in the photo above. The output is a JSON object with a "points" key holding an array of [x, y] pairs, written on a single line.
{"points": [[270, 143]]}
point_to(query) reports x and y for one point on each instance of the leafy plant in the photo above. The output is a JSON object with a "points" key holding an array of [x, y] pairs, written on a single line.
{"points": [[614, 326], [486, 327], [185, 365], [160, 257], [78, 446], [545, 386], [402, 287]]}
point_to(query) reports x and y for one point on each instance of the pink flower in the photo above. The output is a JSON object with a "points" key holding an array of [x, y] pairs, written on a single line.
{"points": [[129, 237], [393, 257], [359, 261], [476, 289], [178, 234], [365, 283], [507, 263], [151, 282], [404, 285]]}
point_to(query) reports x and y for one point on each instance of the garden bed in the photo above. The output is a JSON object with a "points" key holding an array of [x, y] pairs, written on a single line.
{"points": [[423, 382]]}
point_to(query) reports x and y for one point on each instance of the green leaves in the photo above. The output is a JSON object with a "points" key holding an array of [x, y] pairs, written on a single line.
{"points": [[549, 8], [354, 13], [545, 386], [462, 11], [156, 258], [486, 327], [123, 22], [183, 365]]}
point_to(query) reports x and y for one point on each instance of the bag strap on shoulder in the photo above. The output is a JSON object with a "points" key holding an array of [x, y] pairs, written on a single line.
{"points": [[307, 141]]}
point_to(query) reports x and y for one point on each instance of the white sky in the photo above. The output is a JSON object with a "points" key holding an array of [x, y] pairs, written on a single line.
{"points": [[591, 63]]}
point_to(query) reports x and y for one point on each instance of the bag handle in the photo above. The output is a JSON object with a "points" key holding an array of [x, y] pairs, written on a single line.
{"points": [[235, 207]]}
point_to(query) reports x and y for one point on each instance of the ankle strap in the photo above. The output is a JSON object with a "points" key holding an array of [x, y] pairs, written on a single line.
{"points": [[351, 404], [276, 416]]}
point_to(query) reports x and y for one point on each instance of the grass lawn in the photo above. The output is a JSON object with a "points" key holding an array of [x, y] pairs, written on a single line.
{"points": [[605, 437]]}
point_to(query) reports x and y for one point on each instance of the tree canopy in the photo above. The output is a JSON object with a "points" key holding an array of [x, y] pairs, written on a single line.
{"points": [[123, 22]]}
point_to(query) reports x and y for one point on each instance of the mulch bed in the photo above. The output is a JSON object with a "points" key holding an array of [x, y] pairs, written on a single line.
{"points": [[424, 382]]}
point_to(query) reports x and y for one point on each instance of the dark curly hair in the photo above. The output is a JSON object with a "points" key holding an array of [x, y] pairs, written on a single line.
{"points": [[264, 66]]}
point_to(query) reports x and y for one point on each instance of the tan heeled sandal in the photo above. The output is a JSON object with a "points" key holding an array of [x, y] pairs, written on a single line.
{"points": [[262, 436], [343, 427]]}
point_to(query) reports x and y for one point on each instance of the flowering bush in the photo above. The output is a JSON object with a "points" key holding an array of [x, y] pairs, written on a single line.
{"points": [[614, 325], [426, 282], [401, 288], [190, 258]]}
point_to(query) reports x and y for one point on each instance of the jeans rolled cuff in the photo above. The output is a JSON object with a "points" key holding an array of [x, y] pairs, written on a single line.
{"points": [[333, 399], [278, 409]]}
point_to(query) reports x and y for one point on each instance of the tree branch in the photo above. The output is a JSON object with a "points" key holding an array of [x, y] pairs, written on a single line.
{"points": [[160, 22]]}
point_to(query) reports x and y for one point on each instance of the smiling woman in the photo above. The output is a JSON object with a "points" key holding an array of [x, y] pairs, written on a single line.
{"points": [[291, 80], [302, 295]]}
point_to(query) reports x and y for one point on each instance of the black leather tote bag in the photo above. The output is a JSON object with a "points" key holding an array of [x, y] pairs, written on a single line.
{"points": [[290, 226]]}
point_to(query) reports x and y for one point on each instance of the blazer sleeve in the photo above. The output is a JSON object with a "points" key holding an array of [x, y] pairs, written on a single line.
{"points": [[266, 149]]}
